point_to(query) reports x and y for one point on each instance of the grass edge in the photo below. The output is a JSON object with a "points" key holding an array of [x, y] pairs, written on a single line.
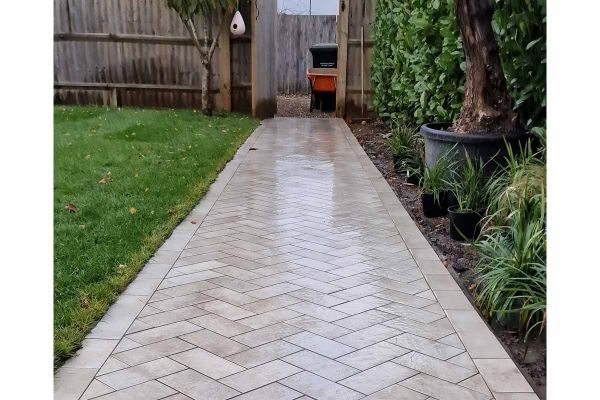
{"points": [[67, 340]]}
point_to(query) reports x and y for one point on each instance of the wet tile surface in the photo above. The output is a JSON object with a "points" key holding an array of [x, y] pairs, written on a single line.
{"points": [[296, 283]]}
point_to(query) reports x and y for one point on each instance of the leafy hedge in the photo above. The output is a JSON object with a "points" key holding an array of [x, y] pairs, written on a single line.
{"points": [[418, 64]]}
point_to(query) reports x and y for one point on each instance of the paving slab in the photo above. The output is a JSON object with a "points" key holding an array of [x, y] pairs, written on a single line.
{"points": [[320, 365], [320, 388], [379, 377], [304, 278]]}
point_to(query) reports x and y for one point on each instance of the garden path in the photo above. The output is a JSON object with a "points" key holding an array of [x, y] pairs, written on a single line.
{"points": [[298, 275]]}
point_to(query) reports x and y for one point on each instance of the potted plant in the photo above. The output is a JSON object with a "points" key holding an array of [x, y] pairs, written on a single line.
{"points": [[413, 168], [434, 193], [396, 148], [467, 187], [399, 143], [413, 165], [406, 147], [487, 119]]}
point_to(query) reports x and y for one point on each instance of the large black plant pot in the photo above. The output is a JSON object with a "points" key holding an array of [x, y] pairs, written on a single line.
{"points": [[431, 208], [464, 226], [452, 202], [489, 148]]}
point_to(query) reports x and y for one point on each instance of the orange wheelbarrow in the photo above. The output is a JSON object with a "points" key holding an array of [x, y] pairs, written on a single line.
{"points": [[322, 80]]}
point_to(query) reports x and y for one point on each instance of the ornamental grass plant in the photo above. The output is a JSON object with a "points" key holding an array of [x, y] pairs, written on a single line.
{"points": [[511, 255]]}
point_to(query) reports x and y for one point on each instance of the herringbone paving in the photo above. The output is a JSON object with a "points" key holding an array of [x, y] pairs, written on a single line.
{"points": [[302, 277]]}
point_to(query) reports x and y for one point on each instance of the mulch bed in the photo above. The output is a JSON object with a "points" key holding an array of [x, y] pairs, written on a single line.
{"points": [[457, 257]]}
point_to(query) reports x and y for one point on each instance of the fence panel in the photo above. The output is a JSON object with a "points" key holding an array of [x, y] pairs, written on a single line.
{"points": [[295, 35], [137, 53]]}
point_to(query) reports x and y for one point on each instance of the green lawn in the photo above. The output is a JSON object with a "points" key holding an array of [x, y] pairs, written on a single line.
{"points": [[156, 165]]}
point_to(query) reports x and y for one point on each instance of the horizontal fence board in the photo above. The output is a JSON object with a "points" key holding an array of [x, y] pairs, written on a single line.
{"points": [[138, 86], [130, 38]]}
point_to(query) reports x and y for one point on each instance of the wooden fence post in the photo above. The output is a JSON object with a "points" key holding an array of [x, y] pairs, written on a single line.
{"points": [[340, 96], [264, 66]]}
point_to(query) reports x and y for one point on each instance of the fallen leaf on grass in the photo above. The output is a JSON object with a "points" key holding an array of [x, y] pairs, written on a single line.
{"points": [[105, 178], [471, 287], [72, 208], [132, 210], [85, 301]]}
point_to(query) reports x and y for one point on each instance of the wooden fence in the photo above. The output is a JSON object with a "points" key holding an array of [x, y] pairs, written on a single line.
{"points": [[138, 53], [355, 88], [295, 35]]}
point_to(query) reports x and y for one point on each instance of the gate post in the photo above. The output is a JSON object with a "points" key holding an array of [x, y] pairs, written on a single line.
{"points": [[340, 96], [264, 65]]}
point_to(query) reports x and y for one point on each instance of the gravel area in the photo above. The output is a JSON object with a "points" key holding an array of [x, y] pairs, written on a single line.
{"points": [[292, 105]]}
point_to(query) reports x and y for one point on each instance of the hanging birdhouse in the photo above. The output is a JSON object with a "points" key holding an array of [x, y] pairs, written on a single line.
{"points": [[237, 27]]}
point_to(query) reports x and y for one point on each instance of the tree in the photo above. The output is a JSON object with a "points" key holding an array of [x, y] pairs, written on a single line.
{"points": [[487, 106], [212, 14]]}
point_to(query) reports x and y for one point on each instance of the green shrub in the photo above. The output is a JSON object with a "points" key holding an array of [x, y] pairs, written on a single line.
{"points": [[407, 147], [511, 262], [401, 139], [418, 63], [523, 177], [467, 184], [415, 164], [511, 267], [435, 178]]}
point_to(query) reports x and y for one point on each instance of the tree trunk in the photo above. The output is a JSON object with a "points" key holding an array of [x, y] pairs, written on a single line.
{"points": [[487, 105], [206, 106]]}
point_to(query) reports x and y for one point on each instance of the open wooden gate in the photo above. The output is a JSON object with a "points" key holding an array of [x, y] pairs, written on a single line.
{"points": [[355, 88]]}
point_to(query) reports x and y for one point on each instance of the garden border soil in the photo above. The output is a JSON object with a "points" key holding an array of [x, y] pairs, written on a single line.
{"points": [[457, 256]]}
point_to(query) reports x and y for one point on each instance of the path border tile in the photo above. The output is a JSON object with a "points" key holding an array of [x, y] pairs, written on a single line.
{"points": [[477, 337], [428, 279], [71, 382]]}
